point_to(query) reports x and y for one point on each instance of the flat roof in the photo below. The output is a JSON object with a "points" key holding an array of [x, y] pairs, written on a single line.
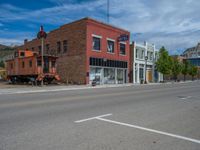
{"points": [[96, 21]]}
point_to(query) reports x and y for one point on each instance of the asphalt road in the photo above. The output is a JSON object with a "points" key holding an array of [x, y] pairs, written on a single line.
{"points": [[151, 117]]}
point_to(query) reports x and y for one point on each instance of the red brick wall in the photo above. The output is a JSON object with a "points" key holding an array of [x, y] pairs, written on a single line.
{"points": [[105, 31], [71, 66]]}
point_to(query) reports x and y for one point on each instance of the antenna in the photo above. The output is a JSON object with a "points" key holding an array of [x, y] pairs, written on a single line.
{"points": [[108, 15]]}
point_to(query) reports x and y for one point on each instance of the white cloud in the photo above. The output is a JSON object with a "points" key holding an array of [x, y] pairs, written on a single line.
{"points": [[8, 41], [174, 24]]}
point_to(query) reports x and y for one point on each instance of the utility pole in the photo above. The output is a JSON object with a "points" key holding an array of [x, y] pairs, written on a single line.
{"points": [[42, 35], [108, 12], [42, 58]]}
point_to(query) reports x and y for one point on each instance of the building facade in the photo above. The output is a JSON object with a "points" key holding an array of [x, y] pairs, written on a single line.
{"points": [[193, 52], [192, 55], [143, 63], [88, 51]]}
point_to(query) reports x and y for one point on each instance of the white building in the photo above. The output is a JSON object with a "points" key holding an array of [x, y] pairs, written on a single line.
{"points": [[140, 65]]}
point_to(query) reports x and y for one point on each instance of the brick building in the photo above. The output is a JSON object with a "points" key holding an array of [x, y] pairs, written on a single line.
{"points": [[88, 50]]}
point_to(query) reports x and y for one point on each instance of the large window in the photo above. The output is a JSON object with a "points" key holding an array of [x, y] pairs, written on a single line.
{"points": [[39, 63], [65, 46], [11, 65], [53, 64], [47, 48], [110, 46], [122, 49], [22, 54], [96, 43], [58, 47], [23, 64], [120, 76], [141, 73], [30, 63], [95, 75], [40, 49], [107, 63], [109, 75]]}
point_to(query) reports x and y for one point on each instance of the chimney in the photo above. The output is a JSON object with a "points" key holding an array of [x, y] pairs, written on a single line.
{"points": [[25, 41]]}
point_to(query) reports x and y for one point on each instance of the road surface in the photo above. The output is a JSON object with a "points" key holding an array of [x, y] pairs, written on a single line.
{"points": [[148, 117]]}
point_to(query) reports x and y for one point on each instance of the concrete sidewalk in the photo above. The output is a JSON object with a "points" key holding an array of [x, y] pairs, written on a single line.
{"points": [[39, 89]]}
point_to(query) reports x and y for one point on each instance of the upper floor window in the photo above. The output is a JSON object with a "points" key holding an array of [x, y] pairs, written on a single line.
{"points": [[59, 47], [142, 55], [122, 49], [53, 64], [23, 64], [65, 46], [39, 62], [151, 56], [136, 53], [40, 49], [11, 65], [47, 48], [110, 46], [96, 43], [22, 54], [30, 63]]}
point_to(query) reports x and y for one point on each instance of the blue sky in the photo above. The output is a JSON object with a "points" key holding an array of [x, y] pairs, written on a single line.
{"points": [[172, 23]]}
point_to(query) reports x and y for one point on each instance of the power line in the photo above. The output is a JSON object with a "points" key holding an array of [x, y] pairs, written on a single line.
{"points": [[108, 11]]}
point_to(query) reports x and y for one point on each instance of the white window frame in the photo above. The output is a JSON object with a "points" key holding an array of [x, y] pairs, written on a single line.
{"points": [[97, 36]]}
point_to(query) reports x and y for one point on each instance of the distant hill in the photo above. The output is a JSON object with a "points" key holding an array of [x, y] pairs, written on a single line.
{"points": [[5, 51]]}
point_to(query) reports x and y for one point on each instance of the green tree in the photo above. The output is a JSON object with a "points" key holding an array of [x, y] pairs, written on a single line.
{"points": [[176, 68], [185, 68], [193, 71], [164, 62]]}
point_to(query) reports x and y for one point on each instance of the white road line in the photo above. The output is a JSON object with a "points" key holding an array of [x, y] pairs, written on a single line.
{"points": [[92, 118], [150, 130], [188, 97]]}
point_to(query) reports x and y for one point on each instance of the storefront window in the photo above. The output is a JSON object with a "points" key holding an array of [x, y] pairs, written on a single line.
{"points": [[95, 75], [109, 75], [120, 76], [141, 74]]}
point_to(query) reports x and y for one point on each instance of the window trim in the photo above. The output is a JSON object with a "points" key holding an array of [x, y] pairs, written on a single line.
{"points": [[110, 39], [122, 42], [97, 36]]}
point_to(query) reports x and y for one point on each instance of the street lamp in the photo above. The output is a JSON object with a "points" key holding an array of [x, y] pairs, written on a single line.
{"points": [[42, 35], [146, 58]]}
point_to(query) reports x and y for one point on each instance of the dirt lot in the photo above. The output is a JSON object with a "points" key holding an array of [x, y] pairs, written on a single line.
{"points": [[4, 84]]}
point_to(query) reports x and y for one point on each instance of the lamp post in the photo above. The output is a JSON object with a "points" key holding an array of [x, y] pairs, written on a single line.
{"points": [[42, 35], [146, 58]]}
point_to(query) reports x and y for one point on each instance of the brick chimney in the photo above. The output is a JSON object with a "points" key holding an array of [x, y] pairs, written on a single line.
{"points": [[25, 41]]}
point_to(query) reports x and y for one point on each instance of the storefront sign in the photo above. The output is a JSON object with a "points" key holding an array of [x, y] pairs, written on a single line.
{"points": [[123, 37]]}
